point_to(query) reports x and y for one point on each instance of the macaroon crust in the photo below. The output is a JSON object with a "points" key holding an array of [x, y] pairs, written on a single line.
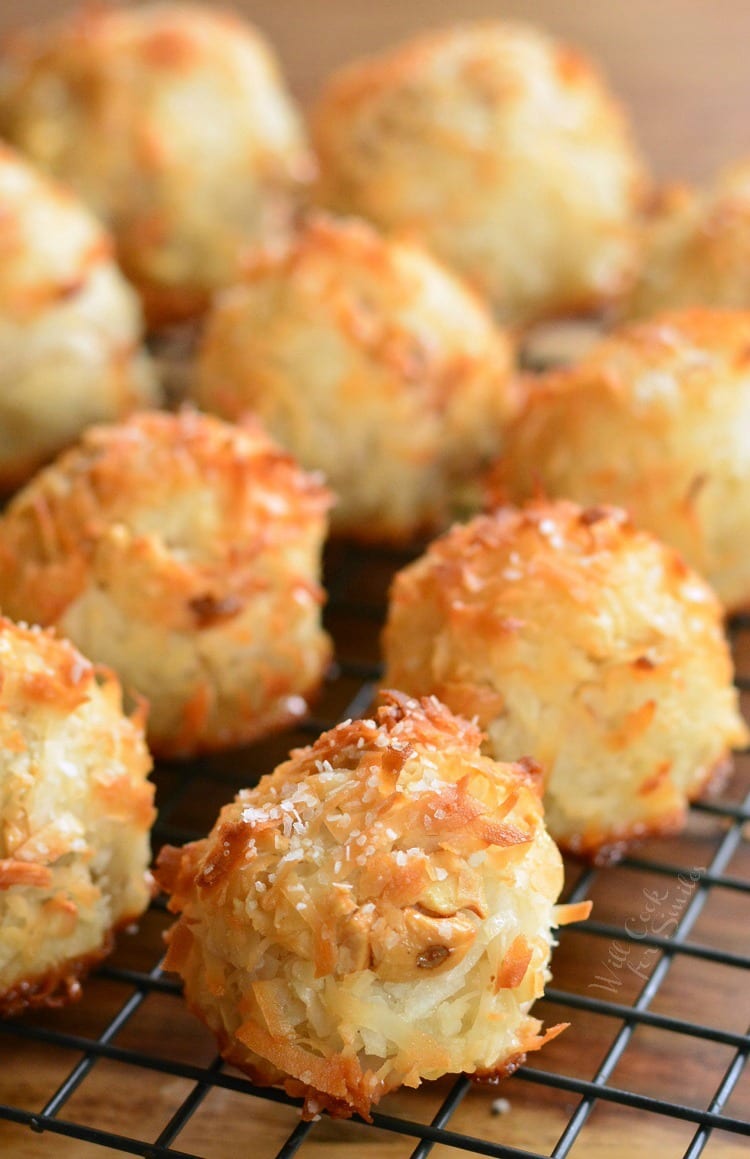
{"points": [[185, 553], [70, 325], [696, 248], [369, 361], [172, 122], [503, 151], [377, 911], [583, 643], [654, 418], [75, 812]]}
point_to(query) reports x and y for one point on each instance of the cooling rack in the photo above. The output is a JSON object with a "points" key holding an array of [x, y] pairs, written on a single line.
{"points": [[655, 986]]}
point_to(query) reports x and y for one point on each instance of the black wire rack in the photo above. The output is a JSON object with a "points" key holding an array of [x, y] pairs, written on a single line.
{"points": [[656, 987]]}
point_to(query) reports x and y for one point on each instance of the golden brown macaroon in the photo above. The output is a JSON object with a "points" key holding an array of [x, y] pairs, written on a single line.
{"points": [[70, 326], [369, 361], [697, 247], [75, 813], [575, 639], [185, 553], [655, 418], [172, 122], [377, 911], [500, 148]]}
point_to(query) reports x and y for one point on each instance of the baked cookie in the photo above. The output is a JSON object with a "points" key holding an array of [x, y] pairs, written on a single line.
{"points": [[377, 911], [575, 639], [366, 359], [75, 814], [172, 122], [70, 326], [696, 248], [185, 553], [655, 418], [501, 149]]}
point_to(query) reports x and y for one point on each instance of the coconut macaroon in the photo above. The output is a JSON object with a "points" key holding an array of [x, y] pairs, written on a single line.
{"points": [[697, 247], [172, 122], [368, 360], [655, 418], [503, 150], [584, 643], [70, 326], [75, 813], [377, 911], [185, 553]]}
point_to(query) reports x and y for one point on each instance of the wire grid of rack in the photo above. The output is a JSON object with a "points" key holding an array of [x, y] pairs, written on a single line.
{"points": [[656, 986]]}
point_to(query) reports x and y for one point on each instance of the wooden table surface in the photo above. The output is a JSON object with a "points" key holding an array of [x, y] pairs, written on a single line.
{"points": [[682, 68]]}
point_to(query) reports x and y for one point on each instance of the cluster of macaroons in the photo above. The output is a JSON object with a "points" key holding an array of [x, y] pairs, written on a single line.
{"points": [[171, 121], [500, 148], [575, 638], [370, 361], [185, 553], [377, 911], [655, 418], [380, 909], [75, 814], [70, 326]]}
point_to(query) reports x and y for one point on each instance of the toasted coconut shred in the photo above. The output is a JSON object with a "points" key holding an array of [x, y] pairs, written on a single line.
{"points": [[76, 808], [568, 632], [183, 552], [378, 911]]}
